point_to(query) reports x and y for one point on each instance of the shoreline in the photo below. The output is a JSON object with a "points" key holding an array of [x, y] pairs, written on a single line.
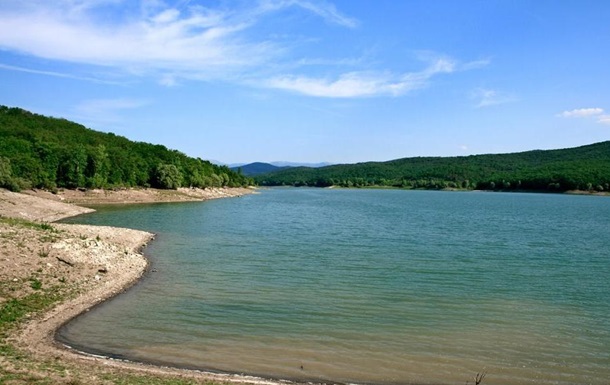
{"points": [[97, 197], [111, 261]]}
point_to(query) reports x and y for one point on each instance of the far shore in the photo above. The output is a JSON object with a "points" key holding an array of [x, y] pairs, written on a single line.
{"points": [[88, 264], [455, 189]]}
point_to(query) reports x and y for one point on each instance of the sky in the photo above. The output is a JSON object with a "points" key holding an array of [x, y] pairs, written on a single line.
{"points": [[341, 81]]}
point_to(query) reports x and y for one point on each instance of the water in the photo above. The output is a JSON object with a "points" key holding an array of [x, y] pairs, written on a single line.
{"points": [[368, 286]]}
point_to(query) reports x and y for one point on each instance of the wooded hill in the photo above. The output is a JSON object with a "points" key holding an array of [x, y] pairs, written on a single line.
{"points": [[43, 152], [257, 168], [580, 168]]}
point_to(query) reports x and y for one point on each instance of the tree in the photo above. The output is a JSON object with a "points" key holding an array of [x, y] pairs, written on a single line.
{"points": [[168, 176], [98, 167], [6, 174], [71, 172]]}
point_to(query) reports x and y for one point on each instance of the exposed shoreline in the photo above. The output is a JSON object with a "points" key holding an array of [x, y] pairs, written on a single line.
{"points": [[104, 261], [138, 195]]}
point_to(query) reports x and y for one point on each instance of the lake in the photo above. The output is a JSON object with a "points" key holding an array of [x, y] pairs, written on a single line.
{"points": [[367, 286]]}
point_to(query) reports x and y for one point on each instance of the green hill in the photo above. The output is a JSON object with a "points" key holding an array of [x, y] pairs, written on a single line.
{"points": [[580, 168], [257, 168], [44, 152]]}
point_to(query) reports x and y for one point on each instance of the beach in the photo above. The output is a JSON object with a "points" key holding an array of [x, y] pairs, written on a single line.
{"points": [[75, 267]]}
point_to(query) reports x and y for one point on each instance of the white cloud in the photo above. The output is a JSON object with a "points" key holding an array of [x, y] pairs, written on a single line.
{"points": [[157, 38], [148, 38], [587, 113], [195, 41], [324, 10], [487, 97], [167, 16], [361, 84], [604, 119], [581, 113], [476, 64], [54, 74], [345, 86]]}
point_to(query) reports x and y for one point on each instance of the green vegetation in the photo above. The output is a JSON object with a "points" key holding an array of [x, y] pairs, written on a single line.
{"points": [[28, 224], [581, 168], [42, 152], [15, 309]]}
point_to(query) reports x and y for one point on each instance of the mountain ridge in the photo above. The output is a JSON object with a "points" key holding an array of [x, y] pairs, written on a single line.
{"points": [[584, 167]]}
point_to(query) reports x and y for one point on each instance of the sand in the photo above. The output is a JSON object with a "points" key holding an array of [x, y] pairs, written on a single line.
{"points": [[93, 264]]}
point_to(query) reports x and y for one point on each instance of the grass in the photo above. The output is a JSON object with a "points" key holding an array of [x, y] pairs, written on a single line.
{"points": [[28, 224], [35, 284], [48, 232], [15, 309]]}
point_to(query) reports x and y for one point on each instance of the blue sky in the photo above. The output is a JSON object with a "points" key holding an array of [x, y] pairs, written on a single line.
{"points": [[310, 81]]}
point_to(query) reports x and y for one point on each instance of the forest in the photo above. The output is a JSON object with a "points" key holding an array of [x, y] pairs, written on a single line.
{"points": [[43, 152], [581, 168]]}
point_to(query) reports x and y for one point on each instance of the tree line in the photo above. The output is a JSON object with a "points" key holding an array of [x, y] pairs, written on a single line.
{"points": [[580, 168], [50, 153]]}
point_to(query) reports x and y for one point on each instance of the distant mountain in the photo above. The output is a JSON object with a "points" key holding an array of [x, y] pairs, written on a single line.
{"points": [[280, 164], [581, 168], [296, 164], [257, 168]]}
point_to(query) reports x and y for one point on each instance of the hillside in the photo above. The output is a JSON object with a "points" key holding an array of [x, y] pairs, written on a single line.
{"points": [[257, 168], [580, 168], [43, 152]]}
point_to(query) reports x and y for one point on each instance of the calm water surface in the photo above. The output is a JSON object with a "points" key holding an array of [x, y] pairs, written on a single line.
{"points": [[368, 286]]}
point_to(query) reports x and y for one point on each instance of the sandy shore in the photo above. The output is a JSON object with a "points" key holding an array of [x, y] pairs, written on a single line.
{"points": [[88, 264]]}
